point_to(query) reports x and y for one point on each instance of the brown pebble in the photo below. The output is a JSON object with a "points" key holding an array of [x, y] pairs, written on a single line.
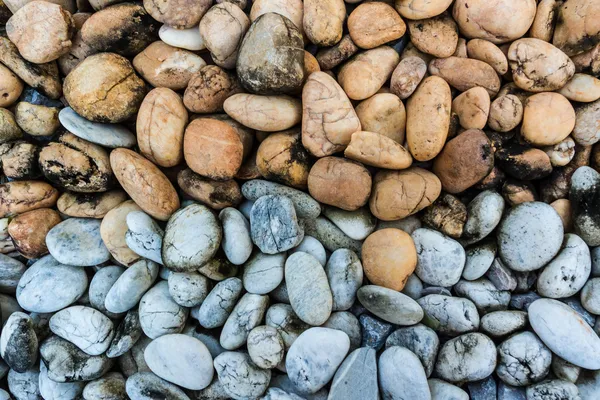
{"points": [[331, 57], [407, 76], [113, 229], [548, 118], [282, 158], [180, 14], [472, 108], [21, 161], [215, 194], [21, 196], [377, 150], [90, 205], [37, 120], [11, 87], [466, 73], [506, 112], [209, 88], [563, 208], [523, 162], [385, 114], [373, 24], [447, 215], [28, 231]]}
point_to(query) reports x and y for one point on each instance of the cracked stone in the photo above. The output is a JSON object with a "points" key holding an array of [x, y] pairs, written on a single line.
{"points": [[240, 377], [219, 303], [449, 315], [159, 313], [85, 327], [523, 360]]}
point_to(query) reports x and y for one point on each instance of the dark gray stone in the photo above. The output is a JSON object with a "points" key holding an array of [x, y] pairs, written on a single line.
{"points": [[374, 331], [507, 392], [522, 301], [501, 276], [483, 390], [147, 386], [19, 343]]}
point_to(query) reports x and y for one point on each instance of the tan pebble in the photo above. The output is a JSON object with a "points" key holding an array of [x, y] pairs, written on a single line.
{"points": [[340, 183], [291, 9], [331, 57], [161, 122], [209, 88], [15, 5], [582, 88], [144, 183], [561, 153], [577, 26], [10, 87], [472, 108], [437, 36], [461, 49], [588, 61], [362, 76], [373, 24], [428, 118], [523, 162], [282, 158], [245, 134], [180, 14], [383, 113], [465, 160], [323, 21], [506, 112], [515, 192], [586, 130], [215, 194], [466, 73], [407, 76], [311, 64], [488, 52], [411, 51], [563, 208], [389, 257], [212, 148], [78, 52], [398, 194], [447, 214], [21, 161], [94, 205], [28, 231], [21, 196], [113, 229], [420, 9], [219, 268], [264, 113], [166, 66], [328, 117], [9, 129], [512, 88], [378, 151], [41, 31], [37, 120], [545, 19], [548, 118]]}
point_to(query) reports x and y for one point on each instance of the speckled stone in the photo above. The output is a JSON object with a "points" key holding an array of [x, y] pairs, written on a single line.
{"points": [[523, 360], [419, 339], [77, 241], [374, 331], [19, 343], [440, 259], [467, 358]]}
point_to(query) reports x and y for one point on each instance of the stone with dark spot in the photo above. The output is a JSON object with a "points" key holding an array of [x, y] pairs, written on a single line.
{"points": [[501, 276], [240, 377], [447, 214], [110, 386], [523, 360], [449, 315], [147, 386], [523, 162], [374, 331], [585, 203], [126, 336], [467, 358], [19, 343], [274, 225], [483, 215], [419, 339]]}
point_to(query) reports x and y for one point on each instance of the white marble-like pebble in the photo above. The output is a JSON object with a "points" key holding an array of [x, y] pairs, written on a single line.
{"points": [[237, 242], [159, 314], [85, 327], [263, 272], [189, 39], [77, 242], [144, 236], [131, 286]]}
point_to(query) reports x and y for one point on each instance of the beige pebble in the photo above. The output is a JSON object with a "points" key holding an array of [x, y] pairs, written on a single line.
{"points": [[378, 151], [383, 113], [576, 24], [291, 9], [563, 208], [113, 229], [506, 112], [94, 205], [488, 52], [21, 161], [373, 24], [420, 9], [10, 87], [323, 21], [582, 88], [561, 153], [588, 61], [545, 18], [209, 88], [215, 194], [180, 14], [28, 231], [437, 36], [466, 73], [472, 108], [264, 113], [9, 129], [548, 118], [37, 120], [407, 76], [21, 196], [586, 130]]}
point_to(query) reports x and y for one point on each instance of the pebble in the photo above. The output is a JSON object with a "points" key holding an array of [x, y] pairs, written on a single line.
{"points": [[237, 242], [584, 184], [188, 289], [245, 316], [479, 259], [308, 288], [390, 305], [240, 377], [556, 389], [24, 386], [590, 296], [189, 39], [126, 336], [346, 322], [100, 286], [19, 343], [147, 386], [314, 357], [483, 389], [219, 303], [77, 242], [180, 359], [313, 247], [449, 315], [356, 224], [274, 225], [374, 331], [345, 275], [356, 377], [330, 235], [502, 323], [507, 392], [440, 259], [401, 375], [420, 340], [48, 286], [51, 390], [501, 277], [110, 386], [144, 236], [443, 390], [159, 313], [523, 360], [107, 135], [467, 358], [284, 319], [306, 206], [85, 327], [483, 215], [565, 333], [11, 271], [129, 288], [484, 294], [265, 347], [263, 272], [565, 370]]}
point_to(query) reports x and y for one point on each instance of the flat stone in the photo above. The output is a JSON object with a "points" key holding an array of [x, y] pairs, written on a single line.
{"points": [[237, 242], [131, 286], [77, 241], [467, 358], [108, 135], [523, 360], [147, 386], [356, 224], [85, 327], [390, 305], [240, 378], [306, 206], [419, 339], [219, 303], [263, 272], [484, 389], [144, 236], [345, 274], [159, 314], [440, 259], [449, 315], [283, 382], [274, 225], [245, 316], [401, 375], [356, 378]]}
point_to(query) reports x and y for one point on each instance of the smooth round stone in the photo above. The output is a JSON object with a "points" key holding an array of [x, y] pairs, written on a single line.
{"points": [[51, 390], [180, 359], [284, 319], [131, 286], [523, 360], [306, 206], [308, 288], [245, 316], [314, 357], [346, 322], [330, 235], [48, 286], [19, 343], [413, 287], [159, 314], [147, 386], [192, 237], [467, 358], [590, 296], [110, 386], [24, 386], [100, 285], [240, 377], [553, 389], [313, 247], [107, 135], [446, 391], [565, 370], [265, 347], [566, 274], [356, 224], [479, 259], [220, 301], [188, 289], [502, 323], [584, 204], [390, 305], [11, 271], [237, 242], [274, 225], [419, 339], [529, 236], [484, 294], [401, 375], [144, 236], [263, 272], [356, 378], [483, 215], [440, 259], [126, 336], [85, 327], [189, 39], [565, 333], [449, 315], [345, 274], [77, 241]]}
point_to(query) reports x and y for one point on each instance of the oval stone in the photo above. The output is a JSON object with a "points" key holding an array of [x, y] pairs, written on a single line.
{"points": [[390, 305], [159, 314], [77, 242], [131, 286], [440, 259], [107, 135], [85, 327]]}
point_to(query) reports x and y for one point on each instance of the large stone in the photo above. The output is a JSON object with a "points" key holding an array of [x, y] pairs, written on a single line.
{"points": [[77, 242], [85, 327], [240, 377], [467, 358], [401, 375], [356, 377]]}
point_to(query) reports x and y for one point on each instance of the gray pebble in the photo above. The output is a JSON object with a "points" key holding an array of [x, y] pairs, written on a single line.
{"points": [[408, 224], [147, 386], [356, 224], [100, 285], [133, 361], [523, 360], [19, 343], [24, 385], [8, 306], [356, 378], [126, 336], [245, 316], [263, 272], [180, 359], [85, 327], [345, 274], [374, 331], [131, 286], [401, 375], [346, 322], [284, 319], [237, 242], [51, 390], [107, 135], [48, 286], [440, 259], [501, 276], [449, 315], [330, 235], [467, 358], [306, 206], [553, 389], [265, 346], [484, 389], [188, 289], [435, 290], [279, 394], [110, 387], [595, 255], [144, 236], [507, 392], [441, 390], [529, 236], [522, 301], [77, 242], [313, 247], [584, 204], [192, 237], [590, 296], [159, 314], [565, 370], [280, 294], [484, 294], [240, 377], [246, 207], [390, 305], [479, 259], [217, 306], [308, 288], [206, 336], [483, 215], [502, 323], [419, 339], [314, 357], [274, 225], [413, 287], [11, 271]]}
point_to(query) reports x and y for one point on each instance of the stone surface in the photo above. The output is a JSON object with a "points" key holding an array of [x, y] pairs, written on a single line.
{"points": [[449, 315], [467, 358], [401, 374], [159, 313], [345, 275], [85, 327], [237, 242], [584, 184], [245, 316], [306, 206], [107, 135], [274, 225], [219, 303], [420, 340], [129, 288], [356, 377], [523, 360], [77, 242], [144, 236], [265, 346], [263, 272], [19, 343], [390, 305], [440, 259], [239, 376]]}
